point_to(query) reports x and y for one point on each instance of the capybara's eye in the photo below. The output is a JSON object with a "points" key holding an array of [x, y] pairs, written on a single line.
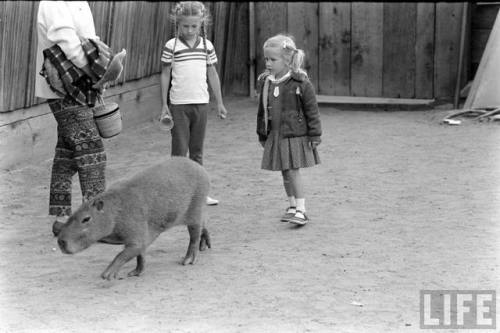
{"points": [[86, 219]]}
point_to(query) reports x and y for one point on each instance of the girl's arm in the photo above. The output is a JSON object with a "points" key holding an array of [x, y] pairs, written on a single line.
{"points": [[311, 112], [214, 82], [164, 87]]}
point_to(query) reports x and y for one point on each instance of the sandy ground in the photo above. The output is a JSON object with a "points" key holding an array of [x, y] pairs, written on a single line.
{"points": [[400, 203]]}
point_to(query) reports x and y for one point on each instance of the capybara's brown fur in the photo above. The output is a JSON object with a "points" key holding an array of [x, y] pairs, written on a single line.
{"points": [[135, 211]]}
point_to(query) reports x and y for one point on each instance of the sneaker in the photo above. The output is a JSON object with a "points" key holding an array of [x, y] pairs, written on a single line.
{"points": [[212, 201], [300, 218], [290, 212]]}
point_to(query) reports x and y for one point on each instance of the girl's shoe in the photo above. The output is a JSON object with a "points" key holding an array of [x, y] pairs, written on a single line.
{"points": [[300, 218], [290, 212]]}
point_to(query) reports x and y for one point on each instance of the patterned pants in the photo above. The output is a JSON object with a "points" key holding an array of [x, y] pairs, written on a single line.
{"points": [[79, 150]]}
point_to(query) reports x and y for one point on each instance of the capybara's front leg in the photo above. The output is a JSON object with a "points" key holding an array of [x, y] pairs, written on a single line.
{"points": [[204, 240], [194, 241], [126, 255]]}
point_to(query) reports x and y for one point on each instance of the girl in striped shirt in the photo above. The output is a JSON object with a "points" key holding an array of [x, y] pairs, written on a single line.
{"points": [[188, 68]]}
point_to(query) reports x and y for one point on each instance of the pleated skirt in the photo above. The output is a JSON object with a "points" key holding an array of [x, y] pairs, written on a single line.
{"points": [[288, 153]]}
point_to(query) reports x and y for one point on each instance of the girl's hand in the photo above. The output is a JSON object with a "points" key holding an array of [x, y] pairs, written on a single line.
{"points": [[165, 111], [221, 111], [314, 144], [262, 143]]}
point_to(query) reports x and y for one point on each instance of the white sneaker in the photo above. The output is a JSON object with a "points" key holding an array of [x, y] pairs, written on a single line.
{"points": [[212, 201]]}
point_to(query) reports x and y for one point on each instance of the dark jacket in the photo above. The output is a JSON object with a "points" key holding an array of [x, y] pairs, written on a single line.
{"points": [[299, 114]]}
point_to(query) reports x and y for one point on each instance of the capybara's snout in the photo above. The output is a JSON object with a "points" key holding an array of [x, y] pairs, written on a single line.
{"points": [[57, 227]]}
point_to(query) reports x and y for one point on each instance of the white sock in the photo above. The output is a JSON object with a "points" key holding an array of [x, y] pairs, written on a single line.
{"points": [[301, 204], [292, 201]]}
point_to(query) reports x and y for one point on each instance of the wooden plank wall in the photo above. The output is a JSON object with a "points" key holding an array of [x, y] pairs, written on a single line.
{"points": [[372, 49], [448, 18], [424, 44], [399, 39], [366, 49], [334, 57], [17, 39]]}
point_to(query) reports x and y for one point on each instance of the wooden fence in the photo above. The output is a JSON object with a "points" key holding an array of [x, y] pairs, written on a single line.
{"points": [[407, 50]]}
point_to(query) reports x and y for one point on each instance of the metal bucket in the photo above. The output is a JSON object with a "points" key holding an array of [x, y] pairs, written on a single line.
{"points": [[108, 119]]}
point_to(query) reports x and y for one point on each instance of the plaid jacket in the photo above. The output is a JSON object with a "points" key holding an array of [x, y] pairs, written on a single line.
{"points": [[66, 79]]}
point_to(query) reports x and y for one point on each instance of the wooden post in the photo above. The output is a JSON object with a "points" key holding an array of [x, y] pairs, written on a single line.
{"points": [[251, 34], [461, 55]]}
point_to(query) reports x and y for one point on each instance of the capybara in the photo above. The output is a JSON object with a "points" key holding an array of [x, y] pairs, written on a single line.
{"points": [[135, 211]]}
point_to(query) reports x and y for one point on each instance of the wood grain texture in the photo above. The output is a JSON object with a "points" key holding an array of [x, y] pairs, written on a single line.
{"points": [[367, 52], [303, 26], [399, 50], [424, 50], [334, 48], [448, 18]]}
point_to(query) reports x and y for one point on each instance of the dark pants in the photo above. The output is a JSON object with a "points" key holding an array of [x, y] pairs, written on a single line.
{"points": [[79, 150], [188, 133]]}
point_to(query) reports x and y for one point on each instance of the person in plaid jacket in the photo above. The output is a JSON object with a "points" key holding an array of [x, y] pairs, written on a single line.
{"points": [[79, 147]]}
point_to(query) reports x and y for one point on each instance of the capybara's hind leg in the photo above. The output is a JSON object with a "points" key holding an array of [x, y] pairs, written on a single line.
{"points": [[204, 239], [126, 255], [194, 241], [140, 266]]}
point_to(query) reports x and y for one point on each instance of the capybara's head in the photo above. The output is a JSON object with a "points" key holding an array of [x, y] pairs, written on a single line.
{"points": [[85, 227]]}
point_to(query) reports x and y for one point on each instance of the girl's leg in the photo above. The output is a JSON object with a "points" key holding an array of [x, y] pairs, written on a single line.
{"points": [[63, 170], [90, 157], [63, 165], [180, 132], [291, 210], [198, 128], [288, 188], [296, 184], [79, 149], [298, 190], [198, 114]]}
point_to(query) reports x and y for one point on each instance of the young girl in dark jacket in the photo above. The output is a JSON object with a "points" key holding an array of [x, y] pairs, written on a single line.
{"points": [[288, 121]]}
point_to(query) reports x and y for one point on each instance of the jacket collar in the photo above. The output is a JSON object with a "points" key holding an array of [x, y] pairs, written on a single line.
{"points": [[297, 76]]}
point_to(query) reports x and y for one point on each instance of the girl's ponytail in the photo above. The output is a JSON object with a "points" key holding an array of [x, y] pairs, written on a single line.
{"points": [[297, 60]]}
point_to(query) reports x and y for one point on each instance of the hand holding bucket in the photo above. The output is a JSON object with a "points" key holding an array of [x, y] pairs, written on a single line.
{"points": [[166, 120]]}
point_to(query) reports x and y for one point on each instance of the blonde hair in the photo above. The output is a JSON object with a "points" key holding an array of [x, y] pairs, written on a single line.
{"points": [[191, 8], [293, 56]]}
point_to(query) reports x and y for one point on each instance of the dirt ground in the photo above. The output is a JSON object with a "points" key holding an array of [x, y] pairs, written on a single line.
{"points": [[400, 203]]}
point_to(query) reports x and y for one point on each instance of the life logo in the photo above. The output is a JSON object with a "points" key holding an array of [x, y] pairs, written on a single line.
{"points": [[458, 309]]}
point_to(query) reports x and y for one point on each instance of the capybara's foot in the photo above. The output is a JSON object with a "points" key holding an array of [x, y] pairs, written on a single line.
{"points": [[205, 240], [109, 274], [140, 266], [135, 272], [189, 259], [190, 255], [57, 227]]}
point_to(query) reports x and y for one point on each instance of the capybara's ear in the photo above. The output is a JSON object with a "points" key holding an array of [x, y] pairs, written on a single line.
{"points": [[99, 204]]}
